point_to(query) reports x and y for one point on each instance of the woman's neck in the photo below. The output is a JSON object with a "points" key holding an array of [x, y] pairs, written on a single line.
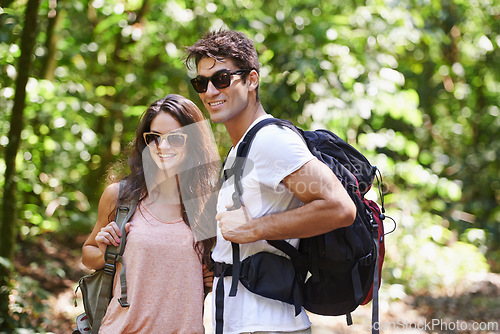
{"points": [[163, 200], [166, 190]]}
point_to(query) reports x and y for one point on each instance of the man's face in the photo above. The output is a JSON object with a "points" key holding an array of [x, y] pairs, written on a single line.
{"points": [[223, 104]]}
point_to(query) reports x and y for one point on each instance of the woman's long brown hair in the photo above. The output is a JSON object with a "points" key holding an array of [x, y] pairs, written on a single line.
{"points": [[198, 180]]}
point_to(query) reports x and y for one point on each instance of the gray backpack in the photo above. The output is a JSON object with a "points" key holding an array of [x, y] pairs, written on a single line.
{"points": [[97, 288]]}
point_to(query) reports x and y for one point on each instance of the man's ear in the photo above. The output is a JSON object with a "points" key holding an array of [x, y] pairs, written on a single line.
{"points": [[253, 80]]}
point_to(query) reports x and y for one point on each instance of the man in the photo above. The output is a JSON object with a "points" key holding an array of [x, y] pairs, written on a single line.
{"points": [[287, 193]]}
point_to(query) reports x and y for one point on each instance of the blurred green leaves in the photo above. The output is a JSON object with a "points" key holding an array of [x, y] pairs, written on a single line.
{"points": [[414, 86]]}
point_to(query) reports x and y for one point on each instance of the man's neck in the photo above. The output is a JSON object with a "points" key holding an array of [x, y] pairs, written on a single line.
{"points": [[237, 126]]}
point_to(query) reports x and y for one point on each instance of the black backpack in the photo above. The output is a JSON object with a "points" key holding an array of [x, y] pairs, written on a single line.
{"points": [[334, 272]]}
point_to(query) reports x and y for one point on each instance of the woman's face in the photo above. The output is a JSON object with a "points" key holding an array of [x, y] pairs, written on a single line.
{"points": [[164, 150]]}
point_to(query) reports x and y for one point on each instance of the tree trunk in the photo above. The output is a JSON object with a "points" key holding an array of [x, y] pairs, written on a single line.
{"points": [[50, 61], [9, 217], [108, 153]]}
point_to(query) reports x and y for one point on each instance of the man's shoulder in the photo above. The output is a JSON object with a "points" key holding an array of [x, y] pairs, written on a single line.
{"points": [[273, 134], [273, 143]]}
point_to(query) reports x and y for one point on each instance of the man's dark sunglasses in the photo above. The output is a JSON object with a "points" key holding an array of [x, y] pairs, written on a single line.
{"points": [[220, 80]]}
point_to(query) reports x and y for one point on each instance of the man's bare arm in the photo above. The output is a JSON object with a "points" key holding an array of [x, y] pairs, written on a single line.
{"points": [[327, 207]]}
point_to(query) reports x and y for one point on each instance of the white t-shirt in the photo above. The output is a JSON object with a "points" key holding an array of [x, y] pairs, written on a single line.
{"points": [[274, 154]]}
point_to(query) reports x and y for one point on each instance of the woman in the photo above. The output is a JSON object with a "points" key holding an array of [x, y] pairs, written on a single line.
{"points": [[173, 169]]}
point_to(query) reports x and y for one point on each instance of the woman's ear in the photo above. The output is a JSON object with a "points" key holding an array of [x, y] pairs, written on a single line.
{"points": [[253, 80]]}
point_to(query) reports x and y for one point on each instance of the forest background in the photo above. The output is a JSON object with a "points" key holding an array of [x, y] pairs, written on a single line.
{"points": [[413, 84]]}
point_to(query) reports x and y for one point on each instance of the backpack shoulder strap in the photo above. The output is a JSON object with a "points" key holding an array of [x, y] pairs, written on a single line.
{"points": [[237, 171], [123, 214], [112, 256], [244, 149]]}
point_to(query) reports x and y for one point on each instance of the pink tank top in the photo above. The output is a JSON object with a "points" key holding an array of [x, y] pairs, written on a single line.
{"points": [[164, 280]]}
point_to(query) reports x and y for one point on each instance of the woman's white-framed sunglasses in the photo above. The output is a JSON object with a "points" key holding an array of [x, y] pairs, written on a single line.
{"points": [[173, 139]]}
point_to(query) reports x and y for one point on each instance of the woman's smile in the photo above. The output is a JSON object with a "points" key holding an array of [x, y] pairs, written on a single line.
{"points": [[166, 155]]}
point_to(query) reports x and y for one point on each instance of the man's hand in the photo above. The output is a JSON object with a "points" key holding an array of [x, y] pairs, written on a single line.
{"points": [[235, 227]]}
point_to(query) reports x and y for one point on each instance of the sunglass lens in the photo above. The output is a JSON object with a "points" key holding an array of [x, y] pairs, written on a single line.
{"points": [[152, 137], [200, 84], [221, 80], [176, 140]]}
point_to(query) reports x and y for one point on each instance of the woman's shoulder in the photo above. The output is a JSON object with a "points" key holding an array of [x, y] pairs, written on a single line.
{"points": [[111, 193]]}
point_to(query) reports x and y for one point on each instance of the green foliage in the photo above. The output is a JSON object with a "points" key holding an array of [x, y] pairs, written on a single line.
{"points": [[413, 84], [29, 308]]}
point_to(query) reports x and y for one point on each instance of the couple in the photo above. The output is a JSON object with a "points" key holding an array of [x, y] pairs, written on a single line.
{"points": [[288, 194]]}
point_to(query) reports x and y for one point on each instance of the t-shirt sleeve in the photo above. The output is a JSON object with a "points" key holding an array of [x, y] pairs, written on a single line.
{"points": [[276, 153]]}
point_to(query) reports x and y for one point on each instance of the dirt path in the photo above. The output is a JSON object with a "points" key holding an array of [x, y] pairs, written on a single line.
{"points": [[474, 308]]}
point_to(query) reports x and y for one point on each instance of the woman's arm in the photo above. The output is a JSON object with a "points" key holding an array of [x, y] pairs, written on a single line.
{"points": [[105, 232]]}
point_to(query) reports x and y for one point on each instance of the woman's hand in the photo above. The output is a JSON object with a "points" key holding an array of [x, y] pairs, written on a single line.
{"points": [[208, 277], [109, 235]]}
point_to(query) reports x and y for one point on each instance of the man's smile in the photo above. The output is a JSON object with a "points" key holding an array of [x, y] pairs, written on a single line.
{"points": [[216, 103]]}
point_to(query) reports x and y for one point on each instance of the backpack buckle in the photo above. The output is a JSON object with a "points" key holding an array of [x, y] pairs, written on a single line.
{"points": [[373, 222], [236, 202], [110, 257], [110, 265], [122, 303], [109, 268], [124, 208]]}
